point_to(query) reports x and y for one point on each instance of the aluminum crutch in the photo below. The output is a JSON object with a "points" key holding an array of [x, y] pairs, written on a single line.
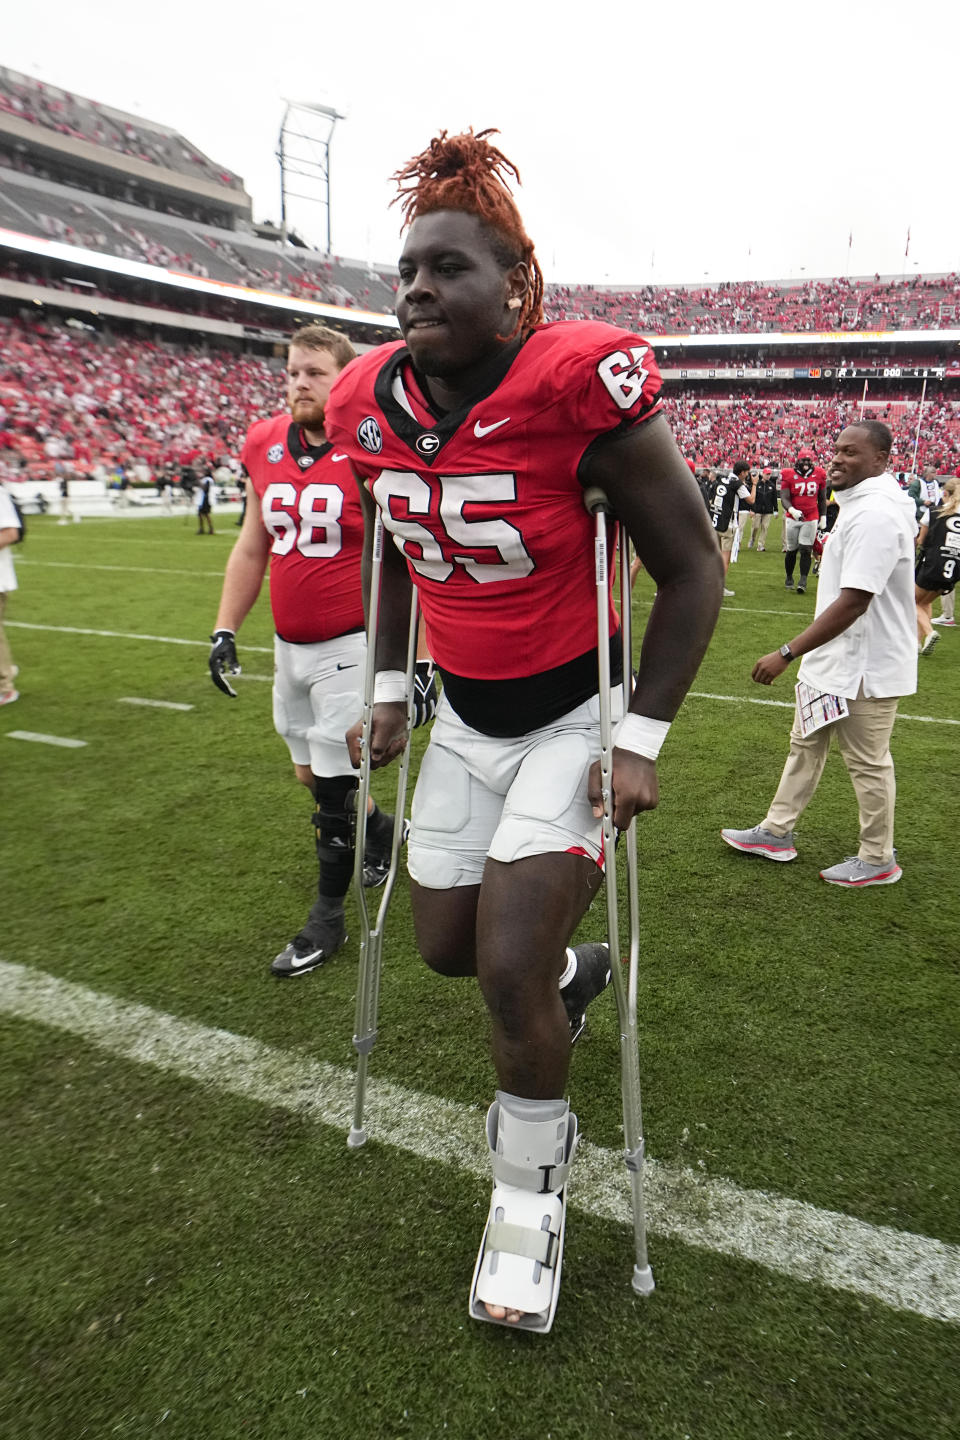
{"points": [[625, 993], [371, 936]]}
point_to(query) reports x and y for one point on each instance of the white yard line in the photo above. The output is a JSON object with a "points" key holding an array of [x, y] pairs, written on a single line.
{"points": [[264, 650], [901, 1270], [46, 739], [126, 635], [124, 569], [788, 705], [153, 704]]}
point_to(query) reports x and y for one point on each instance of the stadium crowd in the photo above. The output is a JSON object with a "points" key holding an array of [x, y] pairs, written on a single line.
{"points": [[82, 119], [769, 429], [920, 302], [917, 302], [70, 394]]}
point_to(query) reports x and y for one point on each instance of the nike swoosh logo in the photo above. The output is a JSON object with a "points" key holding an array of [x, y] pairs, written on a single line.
{"points": [[335, 458], [346, 667], [481, 430], [297, 962]]}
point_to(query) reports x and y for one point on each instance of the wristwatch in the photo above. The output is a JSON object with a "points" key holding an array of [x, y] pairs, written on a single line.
{"points": [[787, 653]]}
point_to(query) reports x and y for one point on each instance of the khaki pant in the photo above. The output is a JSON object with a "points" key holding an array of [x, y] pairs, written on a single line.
{"points": [[759, 526], [863, 737], [6, 659]]}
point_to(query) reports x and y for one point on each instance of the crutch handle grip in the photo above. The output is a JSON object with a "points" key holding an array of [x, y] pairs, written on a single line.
{"points": [[596, 499]]}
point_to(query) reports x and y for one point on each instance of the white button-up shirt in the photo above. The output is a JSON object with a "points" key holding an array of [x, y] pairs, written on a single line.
{"points": [[8, 521], [871, 547]]}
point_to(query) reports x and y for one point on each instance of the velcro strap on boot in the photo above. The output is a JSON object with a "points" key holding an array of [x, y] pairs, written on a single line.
{"points": [[538, 1245], [546, 1180]]}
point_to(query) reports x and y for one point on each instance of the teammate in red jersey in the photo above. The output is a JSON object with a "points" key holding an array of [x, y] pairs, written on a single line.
{"points": [[304, 516], [476, 437], [803, 492]]}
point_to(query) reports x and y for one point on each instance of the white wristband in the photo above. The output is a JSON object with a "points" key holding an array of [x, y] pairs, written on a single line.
{"points": [[641, 735], [389, 686]]}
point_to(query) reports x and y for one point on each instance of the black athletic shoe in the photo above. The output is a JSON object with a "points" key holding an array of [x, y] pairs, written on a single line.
{"points": [[801, 587], [788, 583], [376, 859], [321, 937], [590, 980]]}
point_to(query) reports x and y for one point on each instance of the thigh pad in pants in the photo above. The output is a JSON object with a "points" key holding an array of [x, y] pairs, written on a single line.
{"points": [[507, 798], [316, 698]]}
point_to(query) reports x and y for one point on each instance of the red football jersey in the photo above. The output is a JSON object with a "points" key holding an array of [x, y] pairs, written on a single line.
{"points": [[486, 503], [807, 492], [310, 505]]}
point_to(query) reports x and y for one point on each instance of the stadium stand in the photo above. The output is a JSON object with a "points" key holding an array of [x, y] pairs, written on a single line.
{"points": [[97, 402], [162, 340], [48, 108], [921, 302], [111, 400]]}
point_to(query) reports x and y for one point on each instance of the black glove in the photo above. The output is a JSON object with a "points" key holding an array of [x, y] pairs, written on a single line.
{"points": [[223, 657], [425, 695]]}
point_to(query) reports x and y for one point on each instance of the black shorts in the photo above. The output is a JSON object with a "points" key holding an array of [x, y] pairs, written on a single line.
{"points": [[929, 576]]}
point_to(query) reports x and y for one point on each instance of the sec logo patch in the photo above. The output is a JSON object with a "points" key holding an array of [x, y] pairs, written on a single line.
{"points": [[274, 454], [368, 433]]}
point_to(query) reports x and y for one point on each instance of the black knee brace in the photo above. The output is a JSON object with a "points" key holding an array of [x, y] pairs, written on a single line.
{"points": [[806, 554], [335, 821]]}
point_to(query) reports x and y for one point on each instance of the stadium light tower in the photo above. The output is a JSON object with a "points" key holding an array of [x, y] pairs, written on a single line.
{"points": [[304, 151]]}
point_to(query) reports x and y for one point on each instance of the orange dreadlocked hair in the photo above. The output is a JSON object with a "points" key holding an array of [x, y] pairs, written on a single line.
{"points": [[465, 172]]}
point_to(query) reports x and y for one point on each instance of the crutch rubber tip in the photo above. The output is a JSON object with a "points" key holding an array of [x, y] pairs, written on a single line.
{"points": [[595, 499], [356, 1138], [642, 1280]]}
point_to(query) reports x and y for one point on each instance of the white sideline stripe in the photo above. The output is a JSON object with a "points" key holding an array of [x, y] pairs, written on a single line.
{"points": [[901, 1270], [264, 650], [46, 739], [125, 569], [154, 704], [126, 635], [788, 705]]}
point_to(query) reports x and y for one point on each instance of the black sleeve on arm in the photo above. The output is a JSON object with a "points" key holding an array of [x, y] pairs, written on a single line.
{"points": [[655, 497]]}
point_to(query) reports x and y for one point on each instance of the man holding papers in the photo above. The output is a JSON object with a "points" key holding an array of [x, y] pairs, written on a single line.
{"points": [[859, 657]]}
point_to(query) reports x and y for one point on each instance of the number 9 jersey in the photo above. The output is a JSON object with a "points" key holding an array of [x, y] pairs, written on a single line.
{"points": [[310, 506], [486, 502]]}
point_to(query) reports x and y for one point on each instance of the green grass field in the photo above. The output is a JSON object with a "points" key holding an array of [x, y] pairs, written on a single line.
{"points": [[189, 1248]]}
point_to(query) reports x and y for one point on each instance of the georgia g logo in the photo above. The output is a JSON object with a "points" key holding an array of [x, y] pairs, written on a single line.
{"points": [[274, 454], [368, 433], [428, 444]]}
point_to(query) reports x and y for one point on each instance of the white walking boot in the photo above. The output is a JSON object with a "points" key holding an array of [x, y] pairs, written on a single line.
{"points": [[532, 1145]]}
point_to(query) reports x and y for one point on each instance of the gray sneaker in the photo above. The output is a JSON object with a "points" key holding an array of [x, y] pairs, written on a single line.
{"points": [[761, 842], [320, 939], [856, 873]]}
